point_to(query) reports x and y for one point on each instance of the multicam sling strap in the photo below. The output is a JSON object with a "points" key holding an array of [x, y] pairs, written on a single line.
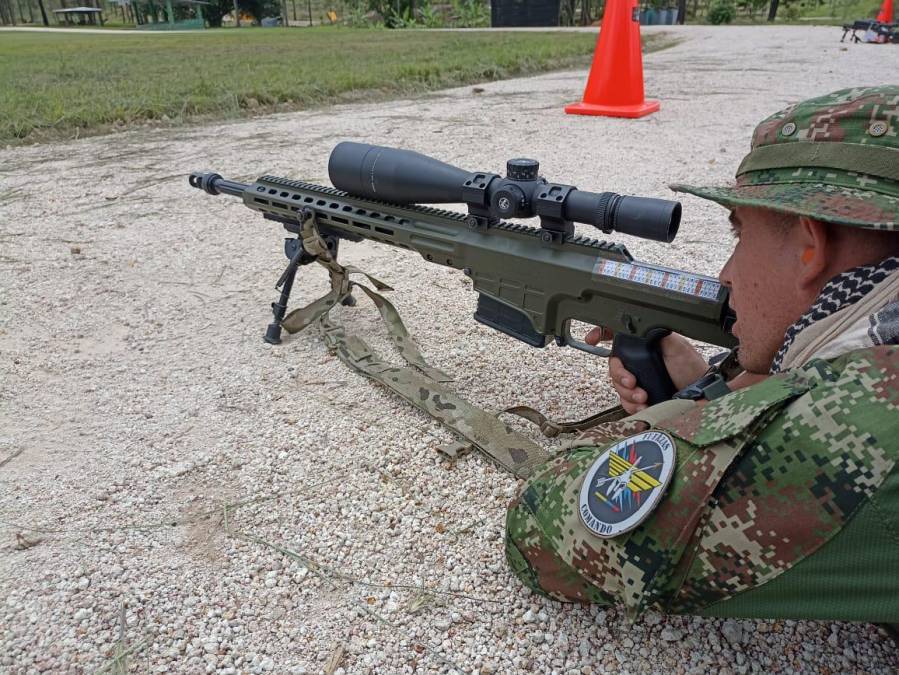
{"points": [[551, 428], [419, 383]]}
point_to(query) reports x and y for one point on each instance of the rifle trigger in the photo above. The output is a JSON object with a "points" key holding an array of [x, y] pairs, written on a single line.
{"points": [[566, 340]]}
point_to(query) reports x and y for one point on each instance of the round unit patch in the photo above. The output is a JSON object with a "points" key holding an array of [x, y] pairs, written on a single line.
{"points": [[626, 483]]}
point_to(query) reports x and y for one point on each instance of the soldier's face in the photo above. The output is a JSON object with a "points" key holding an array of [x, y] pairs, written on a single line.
{"points": [[761, 276]]}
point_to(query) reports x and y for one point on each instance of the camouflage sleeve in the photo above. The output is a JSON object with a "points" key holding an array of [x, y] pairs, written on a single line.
{"points": [[531, 549], [551, 550], [552, 547], [765, 477], [798, 490], [533, 538]]}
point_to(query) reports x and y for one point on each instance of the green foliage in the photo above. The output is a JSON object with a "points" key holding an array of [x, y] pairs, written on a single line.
{"points": [[857, 9], [356, 15], [395, 13], [792, 11], [470, 14], [809, 12], [430, 17], [754, 7], [55, 85], [722, 11], [418, 13]]}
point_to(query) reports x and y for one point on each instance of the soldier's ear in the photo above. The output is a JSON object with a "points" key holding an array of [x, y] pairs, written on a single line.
{"points": [[812, 242]]}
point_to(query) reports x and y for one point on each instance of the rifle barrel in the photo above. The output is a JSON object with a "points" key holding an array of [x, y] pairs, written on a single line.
{"points": [[214, 184]]}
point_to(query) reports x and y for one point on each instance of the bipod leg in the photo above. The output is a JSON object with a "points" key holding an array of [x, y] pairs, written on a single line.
{"points": [[294, 250]]}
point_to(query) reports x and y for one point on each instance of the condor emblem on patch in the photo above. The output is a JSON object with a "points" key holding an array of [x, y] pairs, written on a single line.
{"points": [[626, 483]]}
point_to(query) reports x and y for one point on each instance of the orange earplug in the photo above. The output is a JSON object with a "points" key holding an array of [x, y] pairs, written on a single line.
{"points": [[807, 256]]}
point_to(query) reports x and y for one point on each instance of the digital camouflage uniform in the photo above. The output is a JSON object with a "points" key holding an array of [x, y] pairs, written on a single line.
{"points": [[784, 499]]}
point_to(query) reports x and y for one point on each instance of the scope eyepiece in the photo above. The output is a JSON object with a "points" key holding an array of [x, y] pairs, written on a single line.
{"points": [[656, 219], [645, 217]]}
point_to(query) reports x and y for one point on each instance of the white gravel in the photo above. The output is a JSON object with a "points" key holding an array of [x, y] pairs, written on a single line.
{"points": [[138, 401]]}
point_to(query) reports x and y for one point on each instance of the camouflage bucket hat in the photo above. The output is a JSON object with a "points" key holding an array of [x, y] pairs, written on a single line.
{"points": [[834, 158]]}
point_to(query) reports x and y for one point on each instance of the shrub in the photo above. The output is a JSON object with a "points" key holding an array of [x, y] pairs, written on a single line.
{"points": [[471, 13], [792, 11], [722, 11]]}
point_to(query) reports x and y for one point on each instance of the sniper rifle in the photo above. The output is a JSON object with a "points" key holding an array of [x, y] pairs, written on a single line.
{"points": [[532, 282]]}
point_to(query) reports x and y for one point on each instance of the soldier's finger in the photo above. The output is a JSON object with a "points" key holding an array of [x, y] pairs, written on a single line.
{"points": [[629, 394], [598, 334], [620, 374], [632, 408]]}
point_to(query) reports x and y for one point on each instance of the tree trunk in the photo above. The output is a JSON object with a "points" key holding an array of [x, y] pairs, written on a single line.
{"points": [[309, 7], [236, 15], [285, 20], [681, 11], [586, 18], [40, 3], [10, 12], [772, 10]]}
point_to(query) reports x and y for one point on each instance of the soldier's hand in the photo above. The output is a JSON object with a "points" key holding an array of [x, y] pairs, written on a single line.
{"points": [[685, 365]]}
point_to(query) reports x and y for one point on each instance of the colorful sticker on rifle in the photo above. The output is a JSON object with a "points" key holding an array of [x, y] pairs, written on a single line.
{"points": [[667, 279], [626, 483]]}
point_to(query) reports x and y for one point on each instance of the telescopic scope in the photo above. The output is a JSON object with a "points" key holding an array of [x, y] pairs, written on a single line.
{"points": [[406, 177]]}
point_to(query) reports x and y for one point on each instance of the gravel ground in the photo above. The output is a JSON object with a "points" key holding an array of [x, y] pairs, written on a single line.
{"points": [[175, 488]]}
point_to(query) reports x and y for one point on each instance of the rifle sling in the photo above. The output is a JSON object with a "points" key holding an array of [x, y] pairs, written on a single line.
{"points": [[551, 429], [418, 383]]}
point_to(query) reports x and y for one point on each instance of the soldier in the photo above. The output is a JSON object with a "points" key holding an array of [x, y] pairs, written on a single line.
{"points": [[767, 488]]}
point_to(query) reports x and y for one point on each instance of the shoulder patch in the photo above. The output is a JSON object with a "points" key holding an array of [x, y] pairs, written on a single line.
{"points": [[626, 483]]}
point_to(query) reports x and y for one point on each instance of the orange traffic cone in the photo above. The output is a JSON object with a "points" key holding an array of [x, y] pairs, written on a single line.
{"points": [[615, 85], [886, 12]]}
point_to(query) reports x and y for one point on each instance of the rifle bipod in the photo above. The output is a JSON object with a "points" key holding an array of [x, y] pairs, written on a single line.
{"points": [[298, 256]]}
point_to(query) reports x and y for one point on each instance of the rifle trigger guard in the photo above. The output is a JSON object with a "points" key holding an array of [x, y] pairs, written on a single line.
{"points": [[566, 340]]}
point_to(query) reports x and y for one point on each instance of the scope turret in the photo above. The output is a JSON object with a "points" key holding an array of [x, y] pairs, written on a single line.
{"points": [[406, 177]]}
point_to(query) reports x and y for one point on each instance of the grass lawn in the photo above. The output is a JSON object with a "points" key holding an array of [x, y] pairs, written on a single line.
{"points": [[54, 85]]}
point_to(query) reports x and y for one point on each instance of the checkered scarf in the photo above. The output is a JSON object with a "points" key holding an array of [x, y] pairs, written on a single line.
{"points": [[856, 309]]}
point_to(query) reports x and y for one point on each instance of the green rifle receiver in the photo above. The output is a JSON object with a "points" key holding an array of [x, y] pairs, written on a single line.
{"points": [[532, 281]]}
